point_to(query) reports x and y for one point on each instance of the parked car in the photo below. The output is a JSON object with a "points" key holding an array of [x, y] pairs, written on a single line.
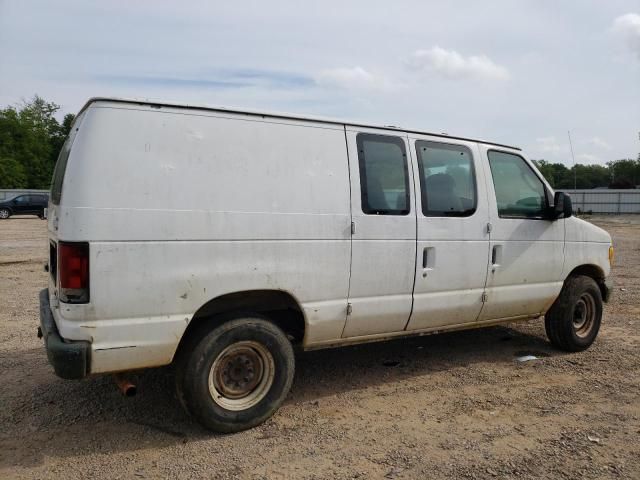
{"points": [[217, 240], [27, 204]]}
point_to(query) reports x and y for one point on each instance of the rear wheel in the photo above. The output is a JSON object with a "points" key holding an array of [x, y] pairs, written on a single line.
{"points": [[235, 376], [4, 213], [573, 321]]}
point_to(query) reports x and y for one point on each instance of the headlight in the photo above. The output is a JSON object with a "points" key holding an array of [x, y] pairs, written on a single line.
{"points": [[611, 255]]}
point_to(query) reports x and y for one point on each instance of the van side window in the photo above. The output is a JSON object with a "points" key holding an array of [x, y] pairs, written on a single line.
{"points": [[384, 177], [519, 191], [447, 179]]}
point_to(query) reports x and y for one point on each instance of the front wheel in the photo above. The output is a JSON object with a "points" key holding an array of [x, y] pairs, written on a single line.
{"points": [[236, 375], [4, 213], [573, 321]]}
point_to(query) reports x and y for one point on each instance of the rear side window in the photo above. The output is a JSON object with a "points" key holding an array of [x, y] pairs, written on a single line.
{"points": [[58, 173], [519, 191], [384, 177], [447, 179]]}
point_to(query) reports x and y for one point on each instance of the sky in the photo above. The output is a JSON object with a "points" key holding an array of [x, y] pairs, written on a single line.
{"points": [[517, 72]]}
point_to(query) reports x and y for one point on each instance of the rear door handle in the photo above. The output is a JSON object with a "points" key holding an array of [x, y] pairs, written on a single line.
{"points": [[496, 256]]}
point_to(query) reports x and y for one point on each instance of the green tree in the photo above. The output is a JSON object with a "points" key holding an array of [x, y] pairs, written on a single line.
{"points": [[556, 174], [616, 174], [624, 173], [30, 140]]}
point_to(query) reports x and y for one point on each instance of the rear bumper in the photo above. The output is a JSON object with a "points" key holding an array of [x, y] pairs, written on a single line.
{"points": [[70, 359], [607, 289]]}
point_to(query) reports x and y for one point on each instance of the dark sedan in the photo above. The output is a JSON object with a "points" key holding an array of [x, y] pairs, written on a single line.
{"points": [[27, 204]]}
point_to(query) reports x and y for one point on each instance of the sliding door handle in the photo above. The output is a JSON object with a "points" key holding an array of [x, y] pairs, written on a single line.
{"points": [[496, 256]]}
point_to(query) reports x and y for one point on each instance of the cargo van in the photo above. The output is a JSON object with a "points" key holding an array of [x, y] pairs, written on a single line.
{"points": [[219, 241]]}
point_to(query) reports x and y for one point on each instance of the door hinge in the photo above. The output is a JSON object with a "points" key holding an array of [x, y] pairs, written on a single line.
{"points": [[353, 228], [349, 309], [489, 227], [484, 297]]}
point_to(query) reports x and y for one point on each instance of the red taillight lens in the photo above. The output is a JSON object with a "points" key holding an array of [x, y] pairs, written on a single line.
{"points": [[73, 269]]}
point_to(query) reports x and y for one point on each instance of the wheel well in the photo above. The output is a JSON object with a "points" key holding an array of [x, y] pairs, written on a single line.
{"points": [[592, 271], [277, 305]]}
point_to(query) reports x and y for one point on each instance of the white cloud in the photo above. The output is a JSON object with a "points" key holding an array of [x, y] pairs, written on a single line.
{"points": [[451, 64], [549, 145], [587, 158], [282, 59], [628, 27], [556, 149], [600, 143], [351, 78]]}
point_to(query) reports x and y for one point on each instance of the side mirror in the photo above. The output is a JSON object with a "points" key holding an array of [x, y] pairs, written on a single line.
{"points": [[562, 206]]}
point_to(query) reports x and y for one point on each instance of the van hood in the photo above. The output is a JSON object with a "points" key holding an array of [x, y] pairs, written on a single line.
{"points": [[579, 230]]}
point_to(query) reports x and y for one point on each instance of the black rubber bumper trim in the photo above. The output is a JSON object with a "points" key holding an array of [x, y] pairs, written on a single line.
{"points": [[70, 359], [607, 289]]}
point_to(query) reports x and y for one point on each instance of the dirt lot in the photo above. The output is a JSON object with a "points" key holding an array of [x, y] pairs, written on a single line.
{"points": [[449, 406]]}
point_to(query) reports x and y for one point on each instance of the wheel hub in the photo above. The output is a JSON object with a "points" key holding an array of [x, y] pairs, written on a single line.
{"points": [[584, 315], [241, 375]]}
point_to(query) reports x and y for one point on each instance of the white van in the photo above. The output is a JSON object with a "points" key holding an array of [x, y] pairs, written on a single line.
{"points": [[217, 240]]}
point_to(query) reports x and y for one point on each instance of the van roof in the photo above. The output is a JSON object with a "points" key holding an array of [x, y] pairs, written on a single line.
{"points": [[290, 116]]}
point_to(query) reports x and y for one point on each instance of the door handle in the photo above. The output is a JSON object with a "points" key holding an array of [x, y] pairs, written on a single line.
{"points": [[496, 256], [428, 260]]}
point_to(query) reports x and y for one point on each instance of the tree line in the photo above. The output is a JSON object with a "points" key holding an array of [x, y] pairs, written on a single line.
{"points": [[623, 173], [31, 138]]}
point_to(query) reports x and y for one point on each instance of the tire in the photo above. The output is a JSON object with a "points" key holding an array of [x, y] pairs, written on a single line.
{"points": [[236, 375], [4, 213], [573, 321]]}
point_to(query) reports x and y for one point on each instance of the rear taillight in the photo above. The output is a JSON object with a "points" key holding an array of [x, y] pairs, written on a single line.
{"points": [[73, 271]]}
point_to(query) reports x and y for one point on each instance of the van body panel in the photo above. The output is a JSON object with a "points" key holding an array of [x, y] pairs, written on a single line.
{"points": [[181, 209], [60, 174], [185, 177], [181, 206], [452, 253], [383, 255], [529, 257], [586, 244]]}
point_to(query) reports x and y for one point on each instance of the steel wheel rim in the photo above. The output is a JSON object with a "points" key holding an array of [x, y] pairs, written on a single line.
{"points": [[4, 214], [241, 375], [584, 314]]}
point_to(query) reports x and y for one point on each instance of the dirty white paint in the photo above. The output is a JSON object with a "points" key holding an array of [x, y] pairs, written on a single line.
{"points": [[530, 258], [182, 206], [449, 290]]}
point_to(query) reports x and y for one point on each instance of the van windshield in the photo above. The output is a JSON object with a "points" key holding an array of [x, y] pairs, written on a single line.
{"points": [[58, 173]]}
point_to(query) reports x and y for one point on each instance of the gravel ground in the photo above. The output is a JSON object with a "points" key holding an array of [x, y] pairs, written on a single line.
{"points": [[448, 406]]}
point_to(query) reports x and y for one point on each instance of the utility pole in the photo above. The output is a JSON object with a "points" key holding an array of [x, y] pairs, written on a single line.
{"points": [[575, 169]]}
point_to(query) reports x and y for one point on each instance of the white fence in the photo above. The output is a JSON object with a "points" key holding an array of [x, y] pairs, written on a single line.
{"points": [[605, 201], [5, 193]]}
